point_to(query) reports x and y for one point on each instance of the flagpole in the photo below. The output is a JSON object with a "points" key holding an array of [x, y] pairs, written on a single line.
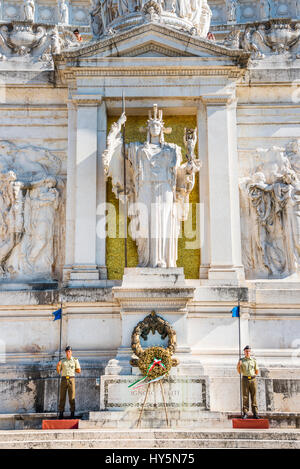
{"points": [[240, 351], [59, 356], [125, 186]]}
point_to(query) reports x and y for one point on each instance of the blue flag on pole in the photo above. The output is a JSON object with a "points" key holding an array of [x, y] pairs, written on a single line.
{"points": [[236, 312], [57, 314]]}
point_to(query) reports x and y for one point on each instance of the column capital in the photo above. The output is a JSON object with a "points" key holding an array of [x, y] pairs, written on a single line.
{"points": [[218, 99], [86, 99]]}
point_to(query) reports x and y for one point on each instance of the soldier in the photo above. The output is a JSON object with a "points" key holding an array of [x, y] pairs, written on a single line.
{"points": [[248, 368], [68, 367]]}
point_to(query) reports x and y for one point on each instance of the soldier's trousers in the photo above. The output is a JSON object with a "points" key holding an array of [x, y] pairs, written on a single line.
{"points": [[67, 385], [249, 386]]}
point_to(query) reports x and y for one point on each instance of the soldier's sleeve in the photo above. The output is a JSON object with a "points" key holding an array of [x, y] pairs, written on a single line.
{"points": [[255, 365], [77, 364]]}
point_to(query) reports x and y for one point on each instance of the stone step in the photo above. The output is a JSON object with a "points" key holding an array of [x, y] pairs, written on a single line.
{"points": [[190, 443], [28, 436]]}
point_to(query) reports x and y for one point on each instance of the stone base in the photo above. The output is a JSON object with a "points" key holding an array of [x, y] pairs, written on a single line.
{"points": [[140, 277], [90, 276], [29, 286], [224, 273], [181, 392]]}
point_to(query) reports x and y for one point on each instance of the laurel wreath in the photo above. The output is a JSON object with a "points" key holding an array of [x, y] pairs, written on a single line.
{"points": [[147, 356]]}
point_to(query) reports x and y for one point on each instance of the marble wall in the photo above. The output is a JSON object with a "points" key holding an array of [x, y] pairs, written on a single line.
{"points": [[49, 11]]}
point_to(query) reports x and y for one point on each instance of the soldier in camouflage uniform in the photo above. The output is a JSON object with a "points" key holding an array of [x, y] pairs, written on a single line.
{"points": [[67, 367], [247, 366]]}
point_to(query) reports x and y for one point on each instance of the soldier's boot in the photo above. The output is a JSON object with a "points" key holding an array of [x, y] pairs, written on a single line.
{"points": [[255, 416], [245, 415], [72, 415], [61, 415]]}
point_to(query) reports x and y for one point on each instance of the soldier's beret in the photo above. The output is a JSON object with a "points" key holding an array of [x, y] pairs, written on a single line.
{"points": [[247, 347], [68, 348]]}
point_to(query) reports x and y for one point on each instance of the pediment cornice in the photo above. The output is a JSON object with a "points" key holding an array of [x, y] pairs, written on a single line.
{"points": [[193, 45]]}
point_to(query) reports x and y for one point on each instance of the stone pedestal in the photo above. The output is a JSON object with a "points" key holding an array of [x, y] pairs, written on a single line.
{"points": [[181, 393], [164, 291], [145, 290]]}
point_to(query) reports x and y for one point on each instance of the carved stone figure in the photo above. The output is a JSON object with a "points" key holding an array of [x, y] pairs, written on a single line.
{"points": [[64, 12], [190, 15], [271, 242], [265, 9], [29, 197], [29, 10], [184, 8], [40, 205], [231, 6], [11, 216], [55, 42], [98, 17], [157, 184]]}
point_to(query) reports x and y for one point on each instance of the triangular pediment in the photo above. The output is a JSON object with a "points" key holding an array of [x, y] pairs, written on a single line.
{"points": [[152, 40]]}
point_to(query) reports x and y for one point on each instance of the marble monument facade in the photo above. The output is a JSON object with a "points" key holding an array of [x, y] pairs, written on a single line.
{"points": [[58, 98]]}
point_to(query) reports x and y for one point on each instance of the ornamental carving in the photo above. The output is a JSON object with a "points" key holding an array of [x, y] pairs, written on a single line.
{"points": [[35, 43], [107, 17], [273, 37]]}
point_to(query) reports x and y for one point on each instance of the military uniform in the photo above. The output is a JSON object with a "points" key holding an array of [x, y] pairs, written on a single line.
{"points": [[248, 369], [68, 368]]}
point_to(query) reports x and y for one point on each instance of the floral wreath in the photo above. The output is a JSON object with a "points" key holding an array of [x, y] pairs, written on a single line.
{"points": [[154, 362]]}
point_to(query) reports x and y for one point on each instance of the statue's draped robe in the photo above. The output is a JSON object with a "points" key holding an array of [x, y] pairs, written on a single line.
{"points": [[155, 181]]}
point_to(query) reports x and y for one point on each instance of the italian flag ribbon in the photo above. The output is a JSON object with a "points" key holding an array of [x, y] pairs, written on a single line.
{"points": [[141, 382]]}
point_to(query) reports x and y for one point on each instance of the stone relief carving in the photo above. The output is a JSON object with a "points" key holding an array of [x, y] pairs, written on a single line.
{"points": [[231, 7], [29, 10], [31, 210], [34, 42], [63, 12], [157, 187], [272, 37], [270, 209], [191, 15]]}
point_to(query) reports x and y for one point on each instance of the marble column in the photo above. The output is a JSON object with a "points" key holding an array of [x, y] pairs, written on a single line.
{"points": [[224, 208], [70, 199], [85, 268], [101, 192], [203, 191]]}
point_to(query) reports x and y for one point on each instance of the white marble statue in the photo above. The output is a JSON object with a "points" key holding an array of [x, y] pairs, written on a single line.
{"points": [[63, 12], [29, 10], [196, 14], [265, 9], [297, 8], [158, 187], [231, 6], [98, 15]]}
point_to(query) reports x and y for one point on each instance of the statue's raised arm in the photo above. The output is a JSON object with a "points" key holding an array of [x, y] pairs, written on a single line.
{"points": [[113, 157]]}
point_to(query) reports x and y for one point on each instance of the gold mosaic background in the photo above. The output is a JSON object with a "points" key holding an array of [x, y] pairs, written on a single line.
{"points": [[189, 259]]}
